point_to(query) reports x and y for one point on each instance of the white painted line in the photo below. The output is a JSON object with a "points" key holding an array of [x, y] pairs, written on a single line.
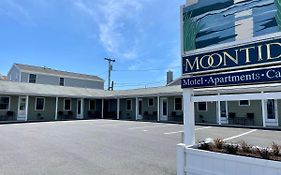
{"points": [[108, 124], [143, 127], [197, 129], [169, 133], [176, 132], [145, 130], [240, 135], [116, 124]]}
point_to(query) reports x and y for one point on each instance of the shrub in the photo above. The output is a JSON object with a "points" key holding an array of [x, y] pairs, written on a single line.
{"points": [[231, 148], [204, 146], [275, 149], [218, 143], [263, 152], [246, 147]]}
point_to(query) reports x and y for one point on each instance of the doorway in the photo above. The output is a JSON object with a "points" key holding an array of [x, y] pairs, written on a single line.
{"points": [[164, 109], [271, 113], [140, 117], [224, 112], [22, 109], [79, 109]]}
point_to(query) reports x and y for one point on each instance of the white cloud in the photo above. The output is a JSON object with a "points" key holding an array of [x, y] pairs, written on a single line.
{"points": [[119, 29], [84, 8], [15, 11]]}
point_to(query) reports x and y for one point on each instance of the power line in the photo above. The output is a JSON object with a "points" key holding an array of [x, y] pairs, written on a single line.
{"points": [[102, 73]]}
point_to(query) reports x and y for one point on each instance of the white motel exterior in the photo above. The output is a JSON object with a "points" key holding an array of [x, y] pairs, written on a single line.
{"points": [[256, 105]]}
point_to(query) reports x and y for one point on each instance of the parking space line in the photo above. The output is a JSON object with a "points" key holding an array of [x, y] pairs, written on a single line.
{"points": [[116, 124], [143, 127], [240, 135], [197, 129], [176, 132]]}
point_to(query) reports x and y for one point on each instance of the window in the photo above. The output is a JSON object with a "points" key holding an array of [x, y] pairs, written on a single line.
{"points": [[39, 104], [92, 105], [4, 103], [202, 106], [67, 104], [150, 102], [244, 103], [32, 78], [61, 81], [178, 104], [129, 105]]}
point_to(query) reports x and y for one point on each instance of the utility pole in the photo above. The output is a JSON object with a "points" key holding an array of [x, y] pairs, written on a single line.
{"points": [[109, 70]]}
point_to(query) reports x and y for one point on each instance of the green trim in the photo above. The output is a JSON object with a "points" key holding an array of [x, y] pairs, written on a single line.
{"points": [[278, 13], [190, 31]]}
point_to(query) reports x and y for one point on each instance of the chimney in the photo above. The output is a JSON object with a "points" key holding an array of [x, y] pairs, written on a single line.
{"points": [[169, 77]]}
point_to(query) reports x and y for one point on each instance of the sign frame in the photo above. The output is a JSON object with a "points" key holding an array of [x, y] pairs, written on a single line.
{"points": [[225, 46]]}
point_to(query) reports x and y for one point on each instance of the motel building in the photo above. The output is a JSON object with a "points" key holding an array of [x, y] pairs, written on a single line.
{"points": [[35, 93]]}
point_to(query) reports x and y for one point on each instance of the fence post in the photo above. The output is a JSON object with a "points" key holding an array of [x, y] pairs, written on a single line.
{"points": [[181, 159]]}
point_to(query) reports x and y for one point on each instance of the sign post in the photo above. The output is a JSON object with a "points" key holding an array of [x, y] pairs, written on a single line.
{"points": [[189, 121], [214, 55]]}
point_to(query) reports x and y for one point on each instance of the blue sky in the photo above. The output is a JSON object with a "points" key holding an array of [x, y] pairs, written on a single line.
{"points": [[75, 35]]}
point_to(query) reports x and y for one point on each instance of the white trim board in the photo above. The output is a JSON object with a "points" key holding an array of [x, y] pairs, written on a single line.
{"points": [[237, 97]]}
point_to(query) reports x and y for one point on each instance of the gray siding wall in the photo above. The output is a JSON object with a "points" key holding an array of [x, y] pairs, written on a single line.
{"points": [[241, 111], [127, 114], [112, 106], [98, 105], [24, 77], [73, 107], [13, 106], [209, 116], [47, 114], [149, 109], [46, 79], [54, 80], [171, 101], [14, 74], [87, 107], [84, 83]]}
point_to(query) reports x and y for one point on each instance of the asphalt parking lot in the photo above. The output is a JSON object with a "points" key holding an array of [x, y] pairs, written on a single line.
{"points": [[105, 147]]}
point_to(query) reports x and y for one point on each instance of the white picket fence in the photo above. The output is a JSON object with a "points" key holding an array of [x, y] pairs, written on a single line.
{"points": [[192, 161]]}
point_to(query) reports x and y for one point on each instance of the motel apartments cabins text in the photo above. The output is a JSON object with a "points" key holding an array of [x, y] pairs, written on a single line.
{"points": [[33, 93]]}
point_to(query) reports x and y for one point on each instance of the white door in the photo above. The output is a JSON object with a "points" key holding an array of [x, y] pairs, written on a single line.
{"points": [[164, 109], [79, 109], [224, 112], [140, 109], [272, 114], [22, 109]]}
